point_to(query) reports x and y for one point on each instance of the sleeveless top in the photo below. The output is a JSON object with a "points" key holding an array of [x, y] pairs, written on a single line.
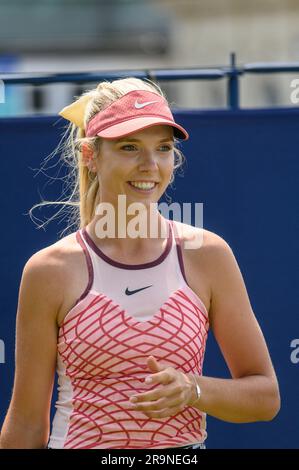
{"points": [[126, 314]]}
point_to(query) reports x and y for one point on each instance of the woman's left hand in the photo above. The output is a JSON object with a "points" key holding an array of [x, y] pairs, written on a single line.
{"points": [[175, 393]]}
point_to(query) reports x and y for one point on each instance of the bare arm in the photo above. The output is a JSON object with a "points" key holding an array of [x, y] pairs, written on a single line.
{"points": [[252, 394], [27, 421]]}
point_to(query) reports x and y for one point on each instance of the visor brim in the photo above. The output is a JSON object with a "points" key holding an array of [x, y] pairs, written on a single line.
{"points": [[134, 125]]}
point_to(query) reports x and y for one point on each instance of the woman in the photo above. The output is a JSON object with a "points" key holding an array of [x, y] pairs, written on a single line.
{"points": [[127, 317]]}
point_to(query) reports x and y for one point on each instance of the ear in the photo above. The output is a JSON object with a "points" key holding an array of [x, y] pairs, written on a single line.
{"points": [[87, 156], [87, 153]]}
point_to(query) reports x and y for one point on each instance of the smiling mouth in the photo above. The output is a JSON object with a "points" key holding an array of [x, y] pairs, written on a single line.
{"points": [[143, 186]]}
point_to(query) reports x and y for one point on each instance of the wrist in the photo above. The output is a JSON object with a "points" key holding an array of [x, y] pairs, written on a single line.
{"points": [[195, 389]]}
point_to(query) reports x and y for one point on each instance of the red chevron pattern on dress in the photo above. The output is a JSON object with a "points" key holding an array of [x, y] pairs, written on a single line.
{"points": [[104, 351]]}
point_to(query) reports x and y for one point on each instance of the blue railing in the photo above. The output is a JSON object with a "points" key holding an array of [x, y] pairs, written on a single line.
{"points": [[231, 73]]}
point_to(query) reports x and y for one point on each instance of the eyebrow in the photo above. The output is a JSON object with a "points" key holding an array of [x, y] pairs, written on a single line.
{"points": [[127, 139]]}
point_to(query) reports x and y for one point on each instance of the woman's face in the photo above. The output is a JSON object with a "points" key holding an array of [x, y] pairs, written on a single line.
{"points": [[139, 165]]}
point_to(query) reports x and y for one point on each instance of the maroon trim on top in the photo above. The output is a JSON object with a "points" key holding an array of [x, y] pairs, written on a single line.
{"points": [[108, 260], [179, 251], [89, 267]]}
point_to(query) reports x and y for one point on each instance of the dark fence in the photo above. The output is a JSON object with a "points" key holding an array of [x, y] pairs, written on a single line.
{"points": [[232, 73]]}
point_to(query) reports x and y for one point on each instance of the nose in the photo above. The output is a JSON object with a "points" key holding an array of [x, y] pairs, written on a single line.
{"points": [[148, 160]]}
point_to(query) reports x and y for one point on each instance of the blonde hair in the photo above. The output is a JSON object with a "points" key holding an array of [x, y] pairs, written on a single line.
{"points": [[81, 183]]}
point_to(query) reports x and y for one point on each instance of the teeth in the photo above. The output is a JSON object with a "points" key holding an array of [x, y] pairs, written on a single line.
{"points": [[142, 185]]}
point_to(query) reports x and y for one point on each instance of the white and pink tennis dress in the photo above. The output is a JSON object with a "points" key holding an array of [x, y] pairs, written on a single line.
{"points": [[126, 314]]}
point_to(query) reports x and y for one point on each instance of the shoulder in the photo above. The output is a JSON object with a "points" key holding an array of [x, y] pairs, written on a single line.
{"points": [[211, 262], [205, 252], [47, 268], [53, 256], [200, 241]]}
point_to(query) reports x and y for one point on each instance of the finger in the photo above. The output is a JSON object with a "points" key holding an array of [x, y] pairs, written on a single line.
{"points": [[156, 394], [151, 396], [160, 404], [154, 365], [159, 392], [165, 377]]}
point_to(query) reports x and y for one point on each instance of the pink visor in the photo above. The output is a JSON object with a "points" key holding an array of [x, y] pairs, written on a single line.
{"points": [[133, 112]]}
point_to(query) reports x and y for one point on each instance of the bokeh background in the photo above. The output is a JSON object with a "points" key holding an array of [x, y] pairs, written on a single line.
{"points": [[91, 35], [242, 162]]}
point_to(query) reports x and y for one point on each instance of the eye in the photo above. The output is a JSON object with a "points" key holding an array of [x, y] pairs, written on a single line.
{"points": [[166, 148], [128, 147]]}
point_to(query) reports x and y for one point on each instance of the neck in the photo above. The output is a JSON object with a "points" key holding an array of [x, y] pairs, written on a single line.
{"points": [[130, 233]]}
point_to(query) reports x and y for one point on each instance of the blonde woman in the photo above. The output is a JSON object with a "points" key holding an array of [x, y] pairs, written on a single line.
{"points": [[124, 319]]}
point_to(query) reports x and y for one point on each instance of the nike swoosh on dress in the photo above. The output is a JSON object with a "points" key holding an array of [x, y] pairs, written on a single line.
{"points": [[130, 292]]}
